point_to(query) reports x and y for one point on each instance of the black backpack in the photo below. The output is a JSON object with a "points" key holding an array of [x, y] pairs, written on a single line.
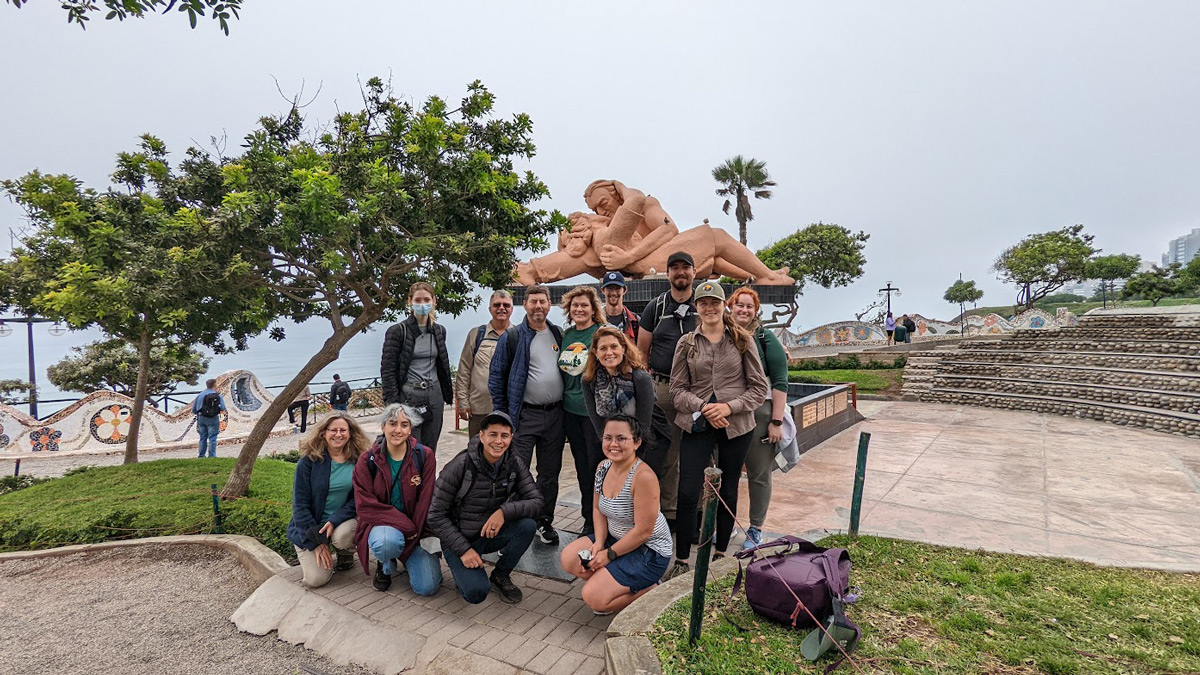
{"points": [[211, 406]]}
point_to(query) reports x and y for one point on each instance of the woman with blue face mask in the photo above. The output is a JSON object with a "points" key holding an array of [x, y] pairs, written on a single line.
{"points": [[415, 369]]}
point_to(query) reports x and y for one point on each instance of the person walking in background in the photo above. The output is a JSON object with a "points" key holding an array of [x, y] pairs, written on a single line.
{"points": [[323, 514], [583, 309], [615, 311], [889, 327], [486, 501], [339, 394], [744, 306], [415, 368], [717, 384], [393, 488], [900, 333], [208, 407], [664, 321], [631, 546], [526, 384], [300, 403], [471, 381], [910, 328]]}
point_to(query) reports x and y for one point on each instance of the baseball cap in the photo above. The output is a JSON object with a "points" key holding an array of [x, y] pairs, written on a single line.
{"points": [[613, 279], [709, 289], [497, 416], [680, 256]]}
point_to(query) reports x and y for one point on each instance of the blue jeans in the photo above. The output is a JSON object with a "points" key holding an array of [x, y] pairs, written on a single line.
{"points": [[208, 427], [341, 406], [424, 570], [512, 540]]}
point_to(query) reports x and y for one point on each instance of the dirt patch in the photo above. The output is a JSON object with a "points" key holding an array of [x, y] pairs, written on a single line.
{"points": [[138, 610]]}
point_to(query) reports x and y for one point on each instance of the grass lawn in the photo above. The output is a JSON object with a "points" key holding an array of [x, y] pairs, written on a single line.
{"points": [[163, 497], [872, 381], [929, 609]]}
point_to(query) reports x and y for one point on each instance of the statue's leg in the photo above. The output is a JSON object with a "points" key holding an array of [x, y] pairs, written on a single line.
{"points": [[731, 253], [550, 268]]}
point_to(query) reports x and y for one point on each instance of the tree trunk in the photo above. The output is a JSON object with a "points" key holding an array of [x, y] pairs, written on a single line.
{"points": [[139, 398], [239, 478]]}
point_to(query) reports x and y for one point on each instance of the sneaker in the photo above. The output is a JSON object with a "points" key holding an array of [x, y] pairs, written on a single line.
{"points": [[382, 581], [678, 568], [508, 591], [596, 612], [717, 556], [753, 537], [547, 534], [345, 561]]}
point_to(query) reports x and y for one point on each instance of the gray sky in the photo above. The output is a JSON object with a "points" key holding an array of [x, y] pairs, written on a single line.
{"points": [[945, 130]]}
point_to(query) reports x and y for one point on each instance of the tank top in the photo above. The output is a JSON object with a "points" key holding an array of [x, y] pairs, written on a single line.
{"points": [[619, 511]]}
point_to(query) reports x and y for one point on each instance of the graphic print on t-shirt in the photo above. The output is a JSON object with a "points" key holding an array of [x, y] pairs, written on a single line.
{"points": [[573, 358]]}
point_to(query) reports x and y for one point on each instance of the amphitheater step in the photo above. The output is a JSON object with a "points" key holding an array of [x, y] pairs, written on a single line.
{"points": [[1159, 362], [1168, 421], [1127, 377], [1158, 399], [1107, 334], [1051, 343]]}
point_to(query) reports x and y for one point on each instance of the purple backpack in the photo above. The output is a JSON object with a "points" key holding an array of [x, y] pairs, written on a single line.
{"points": [[819, 577]]}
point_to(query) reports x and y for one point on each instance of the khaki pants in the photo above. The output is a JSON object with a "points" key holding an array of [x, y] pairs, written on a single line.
{"points": [[474, 425], [668, 486], [315, 576], [760, 461]]}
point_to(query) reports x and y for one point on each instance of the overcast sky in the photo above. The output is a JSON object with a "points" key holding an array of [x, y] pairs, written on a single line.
{"points": [[946, 130]]}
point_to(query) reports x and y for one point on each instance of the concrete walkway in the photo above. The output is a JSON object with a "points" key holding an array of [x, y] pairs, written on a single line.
{"points": [[1007, 481]]}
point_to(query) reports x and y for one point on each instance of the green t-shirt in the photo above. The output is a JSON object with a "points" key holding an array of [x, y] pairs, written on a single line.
{"points": [[340, 474], [774, 359], [571, 360], [397, 492]]}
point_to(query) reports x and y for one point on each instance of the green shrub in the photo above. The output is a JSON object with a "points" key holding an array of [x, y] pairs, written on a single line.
{"points": [[13, 483]]}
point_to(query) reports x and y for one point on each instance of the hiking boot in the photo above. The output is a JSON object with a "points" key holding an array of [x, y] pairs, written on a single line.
{"points": [[678, 568], [753, 538], [382, 581], [717, 556], [345, 561], [508, 591], [547, 534]]}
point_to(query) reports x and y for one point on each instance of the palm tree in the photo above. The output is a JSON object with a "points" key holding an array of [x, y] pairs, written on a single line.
{"points": [[739, 176]]}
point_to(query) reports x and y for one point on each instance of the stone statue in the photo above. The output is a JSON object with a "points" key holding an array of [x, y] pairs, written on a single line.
{"points": [[631, 233]]}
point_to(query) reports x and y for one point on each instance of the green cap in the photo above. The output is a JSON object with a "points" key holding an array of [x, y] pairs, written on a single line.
{"points": [[709, 289]]}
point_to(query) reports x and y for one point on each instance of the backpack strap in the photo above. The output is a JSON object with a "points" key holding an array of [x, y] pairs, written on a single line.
{"points": [[510, 345], [482, 331]]}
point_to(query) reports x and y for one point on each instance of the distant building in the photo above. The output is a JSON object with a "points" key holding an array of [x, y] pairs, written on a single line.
{"points": [[1183, 249]]}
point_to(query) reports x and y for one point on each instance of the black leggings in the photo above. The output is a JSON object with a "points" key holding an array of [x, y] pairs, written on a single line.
{"points": [[585, 450], [695, 451]]}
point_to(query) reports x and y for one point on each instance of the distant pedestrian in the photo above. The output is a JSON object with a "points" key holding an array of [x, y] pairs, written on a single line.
{"points": [[910, 327], [415, 368], [901, 333], [208, 407], [889, 327], [471, 380], [300, 403], [339, 394]]}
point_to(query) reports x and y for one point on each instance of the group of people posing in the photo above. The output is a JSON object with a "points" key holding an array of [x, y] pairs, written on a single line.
{"points": [[646, 402]]}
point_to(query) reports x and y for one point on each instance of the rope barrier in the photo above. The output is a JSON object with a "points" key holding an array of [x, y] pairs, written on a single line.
{"points": [[799, 602]]}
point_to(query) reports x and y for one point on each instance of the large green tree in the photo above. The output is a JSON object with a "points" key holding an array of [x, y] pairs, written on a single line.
{"points": [[1107, 269], [1043, 263], [960, 293], [1155, 284], [142, 260], [113, 364], [343, 219], [824, 253], [739, 178], [80, 11], [1189, 276]]}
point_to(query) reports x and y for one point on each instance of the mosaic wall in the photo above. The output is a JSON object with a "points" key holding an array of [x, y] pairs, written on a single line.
{"points": [[99, 422], [860, 333]]}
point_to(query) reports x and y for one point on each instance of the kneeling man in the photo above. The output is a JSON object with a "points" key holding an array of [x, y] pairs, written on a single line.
{"points": [[485, 501]]}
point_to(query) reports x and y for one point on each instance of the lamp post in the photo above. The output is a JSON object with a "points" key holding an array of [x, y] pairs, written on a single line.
{"points": [[888, 292], [55, 330]]}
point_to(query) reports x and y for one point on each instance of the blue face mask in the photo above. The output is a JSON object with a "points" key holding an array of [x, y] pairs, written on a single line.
{"points": [[422, 308]]}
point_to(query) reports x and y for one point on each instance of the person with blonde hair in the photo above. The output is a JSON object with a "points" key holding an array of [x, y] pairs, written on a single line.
{"points": [[586, 314], [323, 511], [415, 368]]}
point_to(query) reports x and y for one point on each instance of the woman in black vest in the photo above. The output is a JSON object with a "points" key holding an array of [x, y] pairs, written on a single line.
{"points": [[416, 367]]}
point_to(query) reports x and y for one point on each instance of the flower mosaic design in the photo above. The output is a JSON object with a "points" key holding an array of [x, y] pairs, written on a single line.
{"points": [[862, 333], [111, 424], [1037, 322], [44, 439], [224, 419]]}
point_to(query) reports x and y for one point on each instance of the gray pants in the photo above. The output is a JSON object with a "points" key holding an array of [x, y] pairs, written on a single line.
{"points": [[428, 403], [760, 462], [665, 427], [315, 576], [543, 429]]}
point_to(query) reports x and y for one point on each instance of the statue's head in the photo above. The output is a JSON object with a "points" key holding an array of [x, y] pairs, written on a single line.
{"points": [[602, 197]]}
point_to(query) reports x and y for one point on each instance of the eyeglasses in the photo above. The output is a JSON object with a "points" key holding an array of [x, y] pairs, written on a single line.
{"points": [[617, 439], [502, 305], [337, 432]]}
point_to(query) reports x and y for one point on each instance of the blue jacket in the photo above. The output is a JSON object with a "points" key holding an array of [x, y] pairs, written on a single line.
{"points": [[309, 492], [200, 399], [506, 381]]}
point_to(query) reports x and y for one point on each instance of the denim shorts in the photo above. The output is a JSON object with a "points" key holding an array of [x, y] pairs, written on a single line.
{"points": [[638, 569]]}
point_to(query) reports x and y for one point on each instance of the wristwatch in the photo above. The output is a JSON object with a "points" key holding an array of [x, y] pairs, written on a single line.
{"points": [[612, 555], [776, 423]]}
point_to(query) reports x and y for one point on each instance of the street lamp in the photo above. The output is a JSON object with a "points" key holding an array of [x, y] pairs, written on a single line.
{"points": [[888, 292], [56, 330]]}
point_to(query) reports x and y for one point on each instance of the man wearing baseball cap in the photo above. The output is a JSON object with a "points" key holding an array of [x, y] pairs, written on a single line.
{"points": [[613, 289], [665, 320]]}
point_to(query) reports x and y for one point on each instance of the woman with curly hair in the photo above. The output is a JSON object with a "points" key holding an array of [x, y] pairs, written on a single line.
{"points": [[586, 314]]}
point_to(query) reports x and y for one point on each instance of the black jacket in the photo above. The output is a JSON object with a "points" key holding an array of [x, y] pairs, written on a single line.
{"points": [[397, 355], [466, 495]]}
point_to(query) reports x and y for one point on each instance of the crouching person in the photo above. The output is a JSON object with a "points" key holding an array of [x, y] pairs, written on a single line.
{"points": [[485, 501], [393, 487], [630, 549], [323, 498]]}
